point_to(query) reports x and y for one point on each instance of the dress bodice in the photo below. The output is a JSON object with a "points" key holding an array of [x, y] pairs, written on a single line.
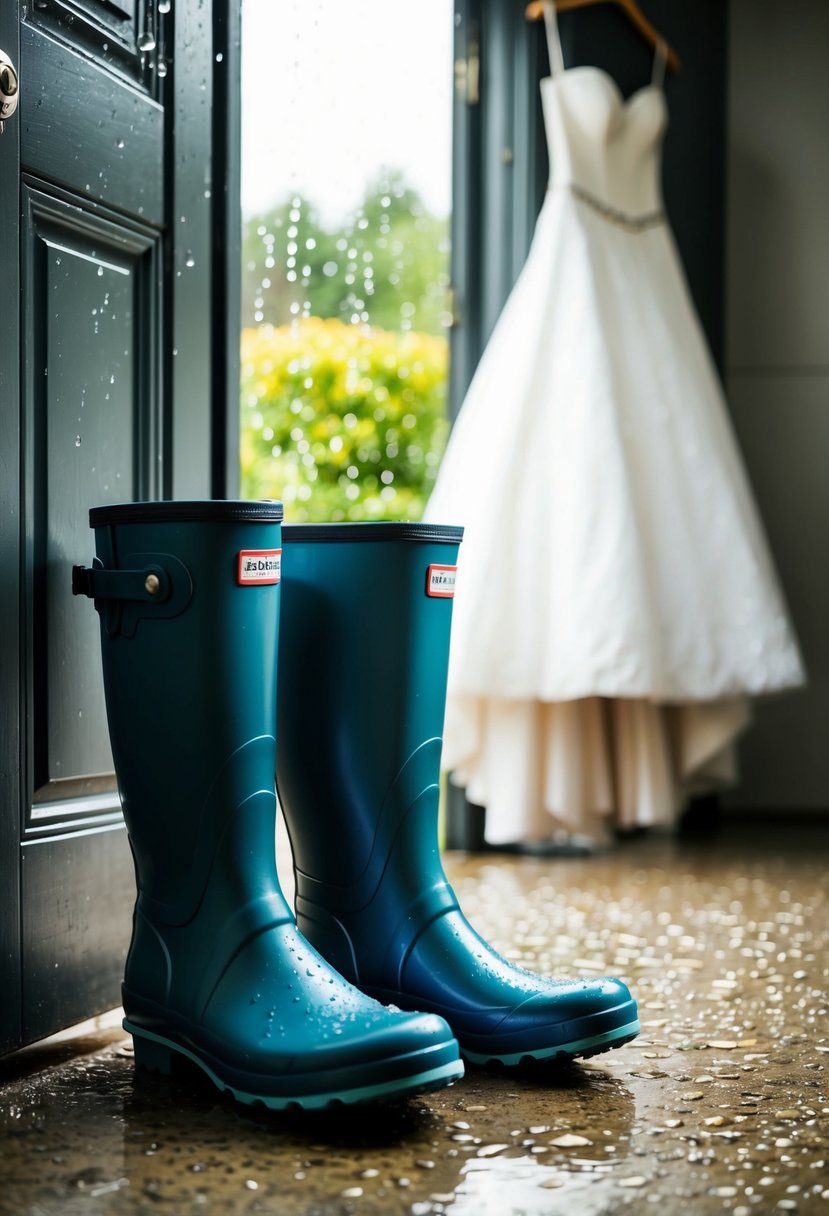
{"points": [[604, 148], [602, 145]]}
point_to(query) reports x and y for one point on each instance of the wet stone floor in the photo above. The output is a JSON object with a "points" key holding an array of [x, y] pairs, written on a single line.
{"points": [[721, 1105]]}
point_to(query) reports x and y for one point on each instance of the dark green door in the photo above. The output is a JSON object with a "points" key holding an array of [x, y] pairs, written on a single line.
{"points": [[114, 361]]}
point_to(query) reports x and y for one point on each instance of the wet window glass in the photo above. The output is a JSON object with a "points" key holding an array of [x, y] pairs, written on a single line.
{"points": [[345, 274]]}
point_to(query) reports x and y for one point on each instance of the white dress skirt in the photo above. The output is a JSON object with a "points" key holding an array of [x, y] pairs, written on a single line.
{"points": [[616, 600]]}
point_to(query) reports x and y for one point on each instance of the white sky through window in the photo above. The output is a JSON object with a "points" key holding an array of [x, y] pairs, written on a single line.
{"points": [[333, 90]]}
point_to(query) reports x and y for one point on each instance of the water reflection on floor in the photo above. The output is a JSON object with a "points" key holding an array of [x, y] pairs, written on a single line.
{"points": [[720, 1106]]}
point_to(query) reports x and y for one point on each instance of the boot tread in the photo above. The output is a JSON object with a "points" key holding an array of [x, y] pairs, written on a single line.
{"points": [[154, 1053]]}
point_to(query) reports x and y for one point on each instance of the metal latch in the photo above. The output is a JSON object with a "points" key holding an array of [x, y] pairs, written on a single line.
{"points": [[9, 89]]}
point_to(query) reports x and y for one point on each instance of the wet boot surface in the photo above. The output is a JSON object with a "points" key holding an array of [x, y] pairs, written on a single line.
{"points": [[721, 1104]]}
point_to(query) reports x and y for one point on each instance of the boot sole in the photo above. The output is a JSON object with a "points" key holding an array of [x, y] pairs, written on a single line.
{"points": [[154, 1053], [577, 1049]]}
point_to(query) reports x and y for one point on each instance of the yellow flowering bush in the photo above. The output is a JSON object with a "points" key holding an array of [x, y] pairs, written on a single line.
{"points": [[342, 421]]}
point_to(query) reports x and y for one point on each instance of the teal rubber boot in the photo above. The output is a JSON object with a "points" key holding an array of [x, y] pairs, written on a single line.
{"points": [[362, 683], [217, 970]]}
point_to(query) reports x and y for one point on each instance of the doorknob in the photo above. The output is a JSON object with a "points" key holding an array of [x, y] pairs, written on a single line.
{"points": [[9, 89]]}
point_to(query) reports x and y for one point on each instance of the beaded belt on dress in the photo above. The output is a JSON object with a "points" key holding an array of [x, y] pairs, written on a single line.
{"points": [[631, 223]]}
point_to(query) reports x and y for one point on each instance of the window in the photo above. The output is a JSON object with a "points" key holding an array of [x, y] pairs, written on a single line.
{"points": [[345, 300]]}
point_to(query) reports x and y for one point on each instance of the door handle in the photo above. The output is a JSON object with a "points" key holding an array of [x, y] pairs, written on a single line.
{"points": [[9, 89]]}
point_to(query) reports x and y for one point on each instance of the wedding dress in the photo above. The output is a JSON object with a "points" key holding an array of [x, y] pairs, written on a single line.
{"points": [[616, 601]]}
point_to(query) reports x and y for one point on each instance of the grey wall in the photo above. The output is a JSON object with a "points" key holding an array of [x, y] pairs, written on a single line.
{"points": [[777, 357]]}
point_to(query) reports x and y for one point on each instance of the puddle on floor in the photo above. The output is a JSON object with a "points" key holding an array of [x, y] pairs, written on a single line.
{"points": [[721, 1105]]}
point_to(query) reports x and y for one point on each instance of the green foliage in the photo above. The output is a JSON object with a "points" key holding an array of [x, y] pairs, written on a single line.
{"points": [[388, 266], [342, 421], [344, 357]]}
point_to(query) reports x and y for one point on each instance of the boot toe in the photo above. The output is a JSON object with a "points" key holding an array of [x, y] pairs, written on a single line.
{"points": [[565, 1019], [502, 1012], [282, 1029], [370, 1055], [304, 1031]]}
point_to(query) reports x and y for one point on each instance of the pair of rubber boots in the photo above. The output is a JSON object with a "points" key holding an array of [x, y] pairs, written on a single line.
{"points": [[306, 1012]]}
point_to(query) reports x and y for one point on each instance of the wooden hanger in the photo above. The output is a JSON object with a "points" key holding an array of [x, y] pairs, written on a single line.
{"points": [[535, 11]]}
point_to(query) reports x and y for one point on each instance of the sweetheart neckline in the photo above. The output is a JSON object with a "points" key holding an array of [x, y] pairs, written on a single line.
{"points": [[623, 103]]}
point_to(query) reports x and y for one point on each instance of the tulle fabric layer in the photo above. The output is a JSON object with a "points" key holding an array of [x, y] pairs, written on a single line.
{"points": [[587, 767]]}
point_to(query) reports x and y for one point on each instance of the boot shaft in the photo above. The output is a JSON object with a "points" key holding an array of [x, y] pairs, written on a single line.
{"points": [[363, 655], [188, 595]]}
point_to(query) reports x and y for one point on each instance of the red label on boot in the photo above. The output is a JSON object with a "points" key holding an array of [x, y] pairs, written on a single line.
{"points": [[258, 567], [440, 581]]}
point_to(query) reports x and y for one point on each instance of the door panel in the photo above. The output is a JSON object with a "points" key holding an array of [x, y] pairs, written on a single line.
{"points": [[90, 292], [74, 931], [108, 126], [115, 322], [94, 152], [106, 31]]}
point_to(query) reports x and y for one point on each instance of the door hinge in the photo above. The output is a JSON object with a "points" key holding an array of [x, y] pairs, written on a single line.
{"points": [[468, 69], [453, 310]]}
